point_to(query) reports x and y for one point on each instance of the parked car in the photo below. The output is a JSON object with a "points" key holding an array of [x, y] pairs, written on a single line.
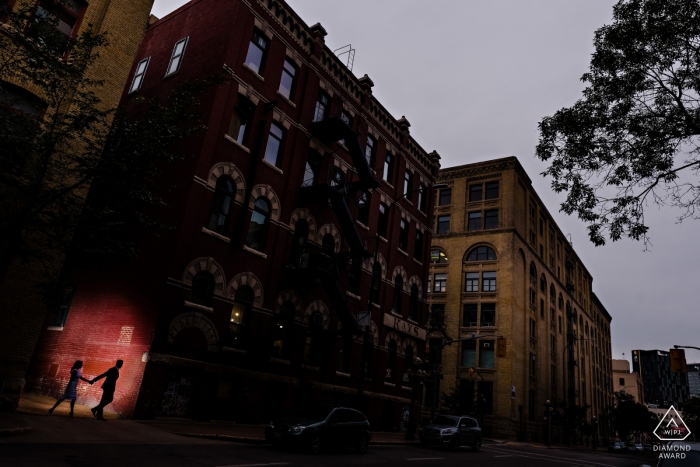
{"points": [[618, 446], [691, 459], [451, 431], [631, 447], [638, 447], [317, 427], [647, 447]]}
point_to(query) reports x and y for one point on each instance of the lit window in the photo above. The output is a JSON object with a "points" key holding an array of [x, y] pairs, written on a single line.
{"points": [[440, 283], [443, 224], [176, 57], [257, 50], [488, 281], [288, 80], [139, 75], [438, 256], [240, 313], [274, 145], [474, 221], [471, 283]]}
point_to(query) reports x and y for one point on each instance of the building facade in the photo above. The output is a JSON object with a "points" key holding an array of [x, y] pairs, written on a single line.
{"points": [[22, 302], [661, 386], [298, 265], [694, 379], [625, 381], [503, 270]]}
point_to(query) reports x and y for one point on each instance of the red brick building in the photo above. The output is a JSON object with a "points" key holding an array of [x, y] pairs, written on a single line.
{"points": [[297, 270]]}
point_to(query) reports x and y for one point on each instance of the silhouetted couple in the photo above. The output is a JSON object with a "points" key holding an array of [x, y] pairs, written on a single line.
{"points": [[108, 388]]}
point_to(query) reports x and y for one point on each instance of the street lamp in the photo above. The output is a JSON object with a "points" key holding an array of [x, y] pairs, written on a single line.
{"points": [[548, 410]]}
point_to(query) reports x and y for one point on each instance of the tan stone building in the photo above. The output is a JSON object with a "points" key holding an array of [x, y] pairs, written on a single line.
{"points": [[625, 380], [502, 269]]}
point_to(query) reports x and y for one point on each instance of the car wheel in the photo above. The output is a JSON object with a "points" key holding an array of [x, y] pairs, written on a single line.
{"points": [[315, 445], [476, 447], [361, 446]]}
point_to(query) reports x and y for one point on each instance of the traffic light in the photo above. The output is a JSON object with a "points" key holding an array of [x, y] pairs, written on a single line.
{"points": [[677, 358], [501, 347]]}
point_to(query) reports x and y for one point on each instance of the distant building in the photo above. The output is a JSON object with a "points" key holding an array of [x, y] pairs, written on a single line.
{"points": [[661, 385], [624, 380], [694, 379]]}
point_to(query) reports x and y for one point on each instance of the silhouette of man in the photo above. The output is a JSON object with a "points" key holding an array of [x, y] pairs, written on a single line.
{"points": [[108, 388]]}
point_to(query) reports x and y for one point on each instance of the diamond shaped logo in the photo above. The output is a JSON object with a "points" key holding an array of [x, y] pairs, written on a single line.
{"points": [[672, 427]]}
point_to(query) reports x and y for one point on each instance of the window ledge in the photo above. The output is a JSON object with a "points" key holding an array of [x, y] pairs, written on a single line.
{"points": [[342, 374], [237, 143], [406, 388], [234, 350], [280, 360], [376, 305], [55, 328], [383, 239], [273, 167], [350, 294], [216, 235], [254, 252], [286, 99], [396, 314], [418, 262], [309, 367], [388, 184], [362, 225], [255, 73], [197, 306], [412, 321], [391, 385], [402, 252]]}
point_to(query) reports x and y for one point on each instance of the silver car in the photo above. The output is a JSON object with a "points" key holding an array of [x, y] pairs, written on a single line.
{"points": [[451, 431]]}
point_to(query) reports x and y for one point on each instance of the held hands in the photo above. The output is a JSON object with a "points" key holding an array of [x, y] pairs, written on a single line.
{"points": [[91, 382]]}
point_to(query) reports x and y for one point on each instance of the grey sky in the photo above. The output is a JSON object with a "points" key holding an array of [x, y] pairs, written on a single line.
{"points": [[474, 78]]}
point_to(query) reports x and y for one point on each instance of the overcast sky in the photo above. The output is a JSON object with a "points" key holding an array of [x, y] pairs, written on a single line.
{"points": [[474, 78]]}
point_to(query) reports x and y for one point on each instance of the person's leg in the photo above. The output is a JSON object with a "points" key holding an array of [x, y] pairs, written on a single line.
{"points": [[72, 406], [60, 399], [107, 397]]}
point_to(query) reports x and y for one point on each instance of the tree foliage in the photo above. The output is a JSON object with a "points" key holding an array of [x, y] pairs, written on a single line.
{"points": [[691, 415], [630, 418], [631, 141]]}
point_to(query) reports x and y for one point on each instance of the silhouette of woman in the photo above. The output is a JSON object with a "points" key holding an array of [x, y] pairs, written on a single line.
{"points": [[70, 392]]}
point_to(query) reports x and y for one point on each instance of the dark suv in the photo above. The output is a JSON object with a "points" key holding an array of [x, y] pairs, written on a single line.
{"points": [[319, 426], [452, 431]]}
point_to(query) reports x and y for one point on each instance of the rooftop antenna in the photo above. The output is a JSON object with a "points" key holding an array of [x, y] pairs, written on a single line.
{"points": [[347, 49], [571, 241]]}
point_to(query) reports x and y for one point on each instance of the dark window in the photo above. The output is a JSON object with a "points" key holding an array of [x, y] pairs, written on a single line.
{"points": [[491, 219], [139, 74], [202, 288], [475, 192], [418, 247], [221, 205], [445, 196], [481, 253], [542, 308], [63, 15], [533, 365], [354, 276], [440, 283], [489, 281], [273, 151], [241, 120], [443, 224], [474, 221], [328, 244], [403, 235], [543, 284], [438, 256], [491, 190], [398, 294], [488, 314], [343, 365], [62, 306], [389, 167], [391, 361], [471, 282], [321, 110], [622, 381], [259, 221], [363, 205], [383, 220], [20, 102], [486, 359], [283, 347], [408, 358], [299, 241], [311, 171], [533, 273], [469, 313], [552, 295], [436, 343], [422, 198], [469, 353], [533, 329], [338, 177], [176, 57], [408, 185], [413, 308], [371, 150], [257, 50], [289, 79], [376, 282]]}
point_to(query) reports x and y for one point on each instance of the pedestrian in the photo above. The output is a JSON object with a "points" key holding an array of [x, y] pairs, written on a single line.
{"points": [[70, 392], [108, 388]]}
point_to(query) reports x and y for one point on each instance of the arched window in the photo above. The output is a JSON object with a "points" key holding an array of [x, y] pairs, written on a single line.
{"points": [[408, 363], [221, 205], [580, 321], [398, 294], [328, 244], [481, 253], [242, 309], [202, 288], [438, 256], [413, 304], [561, 302], [543, 283], [259, 221], [301, 236], [552, 294], [376, 282], [391, 361], [533, 272]]}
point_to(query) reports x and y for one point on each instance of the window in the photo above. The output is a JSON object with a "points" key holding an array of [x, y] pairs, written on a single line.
{"points": [[471, 282], [533, 297], [321, 110], [445, 196], [474, 221], [383, 220], [403, 235], [407, 379], [337, 177], [363, 205], [622, 381], [413, 306], [391, 361], [284, 346], [469, 312], [422, 198], [376, 282], [440, 285], [288, 80], [176, 57], [240, 313], [274, 145], [418, 247], [259, 221], [489, 281], [488, 314], [139, 74], [438, 256], [443, 224], [475, 192], [533, 329], [491, 219], [371, 150], [541, 308], [241, 120], [469, 353], [491, 190], [408, 185], [221, 205], [389, 167], [63, 15], [62, 306], [299, 241], [398, 294], [328, 244], [347, 118], [486, 359], [257, 51], [354, 275], [552, 295], [482, 253], [313, 162], [202, 288], [533, 365]]}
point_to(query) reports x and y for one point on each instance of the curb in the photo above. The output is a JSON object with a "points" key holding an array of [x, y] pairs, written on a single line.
{"points": [[241, 439], [15, 431]]}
